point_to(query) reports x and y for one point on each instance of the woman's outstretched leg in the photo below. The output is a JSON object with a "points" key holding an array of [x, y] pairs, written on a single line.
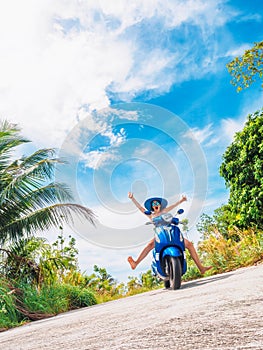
{"points": [[142, 255], [189, 245]]}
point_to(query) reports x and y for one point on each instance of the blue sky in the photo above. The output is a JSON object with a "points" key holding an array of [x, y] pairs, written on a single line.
{"points": [[137, 96]]}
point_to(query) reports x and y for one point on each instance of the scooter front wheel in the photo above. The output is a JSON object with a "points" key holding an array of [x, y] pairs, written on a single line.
{"points": [[173, 269]]}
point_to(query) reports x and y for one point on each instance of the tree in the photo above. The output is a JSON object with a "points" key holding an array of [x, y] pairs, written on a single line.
{"points": [[29, 200], [220, 222], [103, 283], [224, 219], [242, 169], [205, 225], [246, 69]]}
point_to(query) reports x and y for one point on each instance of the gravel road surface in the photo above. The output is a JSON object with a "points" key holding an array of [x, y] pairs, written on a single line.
{"points": [[219, 312]]}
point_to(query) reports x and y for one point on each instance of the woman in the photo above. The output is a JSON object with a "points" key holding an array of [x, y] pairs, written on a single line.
{"points": [[156, 207]]}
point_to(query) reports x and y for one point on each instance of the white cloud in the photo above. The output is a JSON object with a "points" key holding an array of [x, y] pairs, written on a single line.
{"points": [[118, 112], [97, 159], [115, 139], [253, 101], [105, 153], [231, 127], [57, 56], [238, 51], [200, 135], [47, 77]]}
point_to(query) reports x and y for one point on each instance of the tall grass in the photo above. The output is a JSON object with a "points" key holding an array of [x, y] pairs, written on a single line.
{"points": [[9, 315], [26, 302], [56, 298], [244, 249]]}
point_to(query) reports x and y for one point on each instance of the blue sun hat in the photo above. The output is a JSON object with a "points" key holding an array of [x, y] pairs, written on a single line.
{"points": [[148, 203]]}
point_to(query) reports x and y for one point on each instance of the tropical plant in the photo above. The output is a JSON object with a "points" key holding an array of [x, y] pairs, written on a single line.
{"points": [[101, 281], [246, 69], [18, 261], [33, 278], [242, 169], [29, 200], [34, 261]]}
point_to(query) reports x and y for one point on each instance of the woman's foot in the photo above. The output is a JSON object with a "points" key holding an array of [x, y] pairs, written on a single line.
{"points": [[132, 262], [205, 268]]}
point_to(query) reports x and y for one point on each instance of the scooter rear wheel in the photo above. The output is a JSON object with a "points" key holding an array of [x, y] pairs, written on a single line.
{"points": [[173, 269]]}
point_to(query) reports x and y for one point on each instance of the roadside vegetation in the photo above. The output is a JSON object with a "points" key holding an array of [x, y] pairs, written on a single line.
{"points": [[39, 279], [31, 270]]}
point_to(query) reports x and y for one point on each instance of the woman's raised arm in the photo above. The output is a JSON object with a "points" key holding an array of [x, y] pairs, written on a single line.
{"points": [[137, 204], [172, 206]]}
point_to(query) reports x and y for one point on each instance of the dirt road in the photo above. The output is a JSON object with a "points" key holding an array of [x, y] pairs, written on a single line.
{"points": [[220, 312]]}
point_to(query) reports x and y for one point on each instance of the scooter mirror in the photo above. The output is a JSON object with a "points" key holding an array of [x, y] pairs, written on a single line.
{"points": [[175, 221]]}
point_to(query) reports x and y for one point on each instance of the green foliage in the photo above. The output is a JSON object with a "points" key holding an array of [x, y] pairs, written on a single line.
{"points": [[134, 286], [205, 225], [184, 225], [222, 220], [228, 254], [56, 298], [100, 280], [242, 169], [192, 271], [145, 282], [79, 297], [25, 302], [149, 281], [29, 200], [246, 69], [36, 275], [9, 316], [47, 300], [58, 260], [102, 284], [34, 261]]}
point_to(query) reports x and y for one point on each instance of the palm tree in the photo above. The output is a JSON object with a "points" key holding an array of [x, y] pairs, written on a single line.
{"points": [[29, 200]]}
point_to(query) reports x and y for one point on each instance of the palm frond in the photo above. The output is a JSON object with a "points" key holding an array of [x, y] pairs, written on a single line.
{"points": [[9, 138], [22, 204], [23, 181], [41, 163], [44, 219]]}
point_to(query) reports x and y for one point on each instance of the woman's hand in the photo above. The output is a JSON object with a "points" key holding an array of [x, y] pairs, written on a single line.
{"points": [[183, 199], [130, 195]]}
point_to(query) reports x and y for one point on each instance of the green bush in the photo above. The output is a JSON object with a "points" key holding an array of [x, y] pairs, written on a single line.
{"points": [[192, 273], [226, 254], [56, 298], [49, 300], [78, 297]]}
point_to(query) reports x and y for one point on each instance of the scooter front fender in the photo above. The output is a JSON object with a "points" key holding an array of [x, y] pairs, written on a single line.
{"points": [[176, 252], [171, 251]]}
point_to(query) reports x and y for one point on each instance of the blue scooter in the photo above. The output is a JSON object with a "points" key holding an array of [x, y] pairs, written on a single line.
{"points": [[169, 258]]}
